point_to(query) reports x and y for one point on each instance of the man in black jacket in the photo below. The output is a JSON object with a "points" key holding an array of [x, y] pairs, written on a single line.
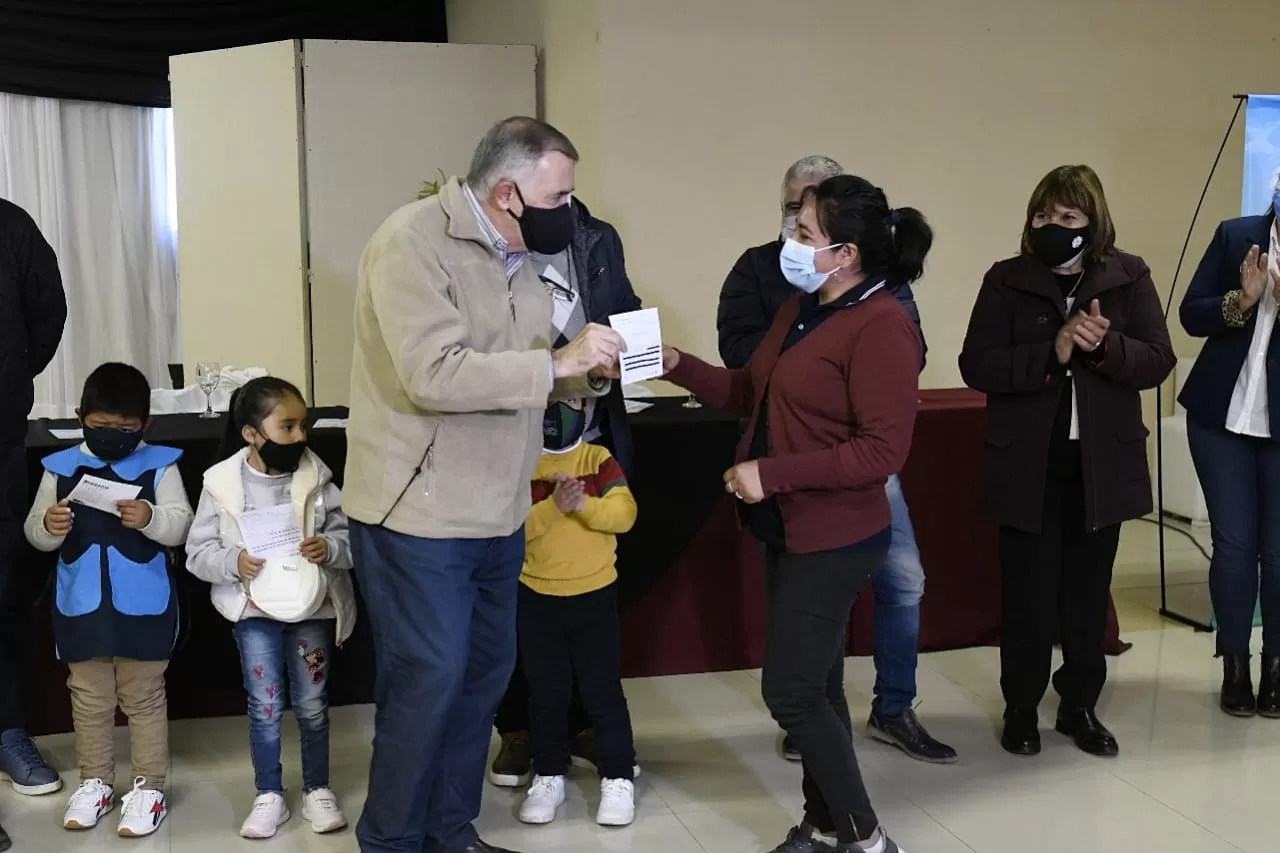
{"points": [[33, 311], [752, 294], [588, 283]]}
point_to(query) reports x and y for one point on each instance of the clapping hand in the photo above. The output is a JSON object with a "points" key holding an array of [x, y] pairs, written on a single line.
{"points": [[1253, 278], [570, 495], [1092, 328]]}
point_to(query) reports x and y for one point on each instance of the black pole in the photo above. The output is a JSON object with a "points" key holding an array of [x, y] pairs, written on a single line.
{"points": [[1167, 613]]}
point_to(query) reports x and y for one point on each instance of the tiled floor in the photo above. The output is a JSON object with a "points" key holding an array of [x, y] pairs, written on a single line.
{"points": [[1188, 778]]}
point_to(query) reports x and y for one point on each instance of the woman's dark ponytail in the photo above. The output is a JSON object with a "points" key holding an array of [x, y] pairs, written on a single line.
{"points": [[892, 243], [912, 239]]}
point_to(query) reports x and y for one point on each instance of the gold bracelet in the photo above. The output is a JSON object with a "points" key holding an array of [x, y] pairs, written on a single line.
{"points": [[1234, 316]]}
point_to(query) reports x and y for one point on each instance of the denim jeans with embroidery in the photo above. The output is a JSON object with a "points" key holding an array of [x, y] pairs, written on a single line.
{"points": [[287, 663]]}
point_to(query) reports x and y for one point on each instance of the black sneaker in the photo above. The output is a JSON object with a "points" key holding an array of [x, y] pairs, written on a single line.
{"points": [[481, 847], [789, 750], [514, 764], [905, 732], [804, 839]]}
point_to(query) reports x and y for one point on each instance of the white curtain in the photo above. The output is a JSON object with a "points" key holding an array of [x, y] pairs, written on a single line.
{"points": [[97, 179]]}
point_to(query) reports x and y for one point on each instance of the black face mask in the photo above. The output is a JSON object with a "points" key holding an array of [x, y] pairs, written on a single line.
{"points": [[1057, 244], [284, 458], [562, 426], [110, 444], [546, 230]]}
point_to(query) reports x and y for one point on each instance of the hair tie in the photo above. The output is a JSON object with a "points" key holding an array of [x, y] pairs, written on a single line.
{"points": [[894, 218]]}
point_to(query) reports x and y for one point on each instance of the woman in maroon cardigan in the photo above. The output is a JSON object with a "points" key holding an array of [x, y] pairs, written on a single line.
{"points": [[831, 394], [1062, 339]]}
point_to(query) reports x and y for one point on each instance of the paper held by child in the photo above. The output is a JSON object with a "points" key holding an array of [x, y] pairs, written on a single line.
{"points": [[271, 532], [102, 494], [643, 334]]}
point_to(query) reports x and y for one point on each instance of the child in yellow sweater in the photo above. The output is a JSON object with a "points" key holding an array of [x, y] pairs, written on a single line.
{"points": [[568, 616]]}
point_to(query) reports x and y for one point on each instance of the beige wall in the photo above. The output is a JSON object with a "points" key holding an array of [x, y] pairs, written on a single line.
{"points": [[955, 108], [241, 251], [380, 119]]}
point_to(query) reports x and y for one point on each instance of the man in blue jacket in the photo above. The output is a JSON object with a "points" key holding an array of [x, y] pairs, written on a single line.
{"points": [[588, 283], [753, 292]]}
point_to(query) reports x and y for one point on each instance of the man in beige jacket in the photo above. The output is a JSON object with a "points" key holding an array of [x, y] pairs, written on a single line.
{"points": [[451, 374]]}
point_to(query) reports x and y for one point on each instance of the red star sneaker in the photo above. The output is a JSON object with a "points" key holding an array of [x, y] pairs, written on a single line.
{"points": [[142, 810], [88, 804]]}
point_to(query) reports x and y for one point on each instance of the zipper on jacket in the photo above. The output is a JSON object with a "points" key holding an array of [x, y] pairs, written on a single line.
{"points": [[511, 301], [429, 466]]}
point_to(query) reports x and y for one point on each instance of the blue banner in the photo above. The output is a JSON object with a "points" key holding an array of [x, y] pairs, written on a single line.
{"points": [[1261, 153]]}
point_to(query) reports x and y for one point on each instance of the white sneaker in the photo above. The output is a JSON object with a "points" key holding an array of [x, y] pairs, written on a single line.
{"points": [[88, 804], [268, 814], [320, 807], [617, 802], [546, 794], [141, 811]]}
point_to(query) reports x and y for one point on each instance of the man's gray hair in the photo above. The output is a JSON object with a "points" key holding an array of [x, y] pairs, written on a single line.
{"points": [[511, 148], [813, 169]]}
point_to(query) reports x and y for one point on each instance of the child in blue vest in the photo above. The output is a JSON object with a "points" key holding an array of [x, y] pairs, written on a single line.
{"points": [[115, 615], [282, 659]]}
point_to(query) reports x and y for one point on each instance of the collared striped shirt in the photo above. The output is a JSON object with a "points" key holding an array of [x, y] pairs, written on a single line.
{"points": [[511, 261]]}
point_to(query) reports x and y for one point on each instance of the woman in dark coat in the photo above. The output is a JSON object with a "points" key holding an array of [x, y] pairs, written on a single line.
{"points": [[1232, 398], [1062, 339]]}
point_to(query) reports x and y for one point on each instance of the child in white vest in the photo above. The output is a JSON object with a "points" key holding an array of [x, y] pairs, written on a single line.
{"points": [[290, 605]]}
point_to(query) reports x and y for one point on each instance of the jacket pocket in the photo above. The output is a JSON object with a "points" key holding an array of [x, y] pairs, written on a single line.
{"points": [[139, 589], [79, 585]]}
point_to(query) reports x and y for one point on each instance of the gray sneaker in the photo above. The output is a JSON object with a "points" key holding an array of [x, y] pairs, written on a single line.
{"points": [[21, 764]]}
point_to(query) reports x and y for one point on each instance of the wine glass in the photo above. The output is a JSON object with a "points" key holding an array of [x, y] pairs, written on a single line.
{"points": [[691, 403], [208, 374]]}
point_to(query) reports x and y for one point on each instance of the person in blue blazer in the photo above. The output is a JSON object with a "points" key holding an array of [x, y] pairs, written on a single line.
{"points": [[1232, 398]]}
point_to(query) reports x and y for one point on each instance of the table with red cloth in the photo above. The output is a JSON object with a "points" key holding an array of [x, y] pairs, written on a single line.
{"points": [[690, 581]]}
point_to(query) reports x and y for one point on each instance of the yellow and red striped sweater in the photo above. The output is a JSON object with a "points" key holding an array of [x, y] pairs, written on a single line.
{"points": [[576, 553]]}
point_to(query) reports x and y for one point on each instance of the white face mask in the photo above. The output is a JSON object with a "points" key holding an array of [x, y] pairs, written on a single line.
{"points": [[796, 261], [788, 226]]}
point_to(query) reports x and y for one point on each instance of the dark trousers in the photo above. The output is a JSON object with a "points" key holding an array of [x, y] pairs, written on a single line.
{"points": [[568, 637], [1241, 481], [810, 596], [1057, 580], [443, 617], [15, 585], [513, 712]]}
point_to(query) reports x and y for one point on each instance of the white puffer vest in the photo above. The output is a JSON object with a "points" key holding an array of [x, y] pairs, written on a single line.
{"points": [[224, 484]]}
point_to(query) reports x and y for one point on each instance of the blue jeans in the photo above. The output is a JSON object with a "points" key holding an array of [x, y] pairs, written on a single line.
{"points": [[280, 656], [1241, 481], [443, 617], [898, 588]]}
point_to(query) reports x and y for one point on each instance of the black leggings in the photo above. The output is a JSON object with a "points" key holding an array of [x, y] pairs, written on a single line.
{"points": [[810, 596]]}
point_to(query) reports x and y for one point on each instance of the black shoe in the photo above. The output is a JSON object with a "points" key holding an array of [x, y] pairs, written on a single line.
{"points": [[481, 847], [905, 732], [789, 750], [1021, 734], [1269, 688], [801, 839], [1083, 726], [583, 746], [1237, 687], [514, 764], [5, 843]]}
